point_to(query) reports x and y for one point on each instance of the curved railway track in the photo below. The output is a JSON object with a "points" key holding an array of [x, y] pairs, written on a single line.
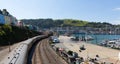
{"points": [[44, 54]]}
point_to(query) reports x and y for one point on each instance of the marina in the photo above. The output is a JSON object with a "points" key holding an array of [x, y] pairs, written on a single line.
{"points": [[111, 41]]}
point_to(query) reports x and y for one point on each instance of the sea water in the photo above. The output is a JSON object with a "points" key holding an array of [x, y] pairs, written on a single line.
{"points": [[99, 38]]}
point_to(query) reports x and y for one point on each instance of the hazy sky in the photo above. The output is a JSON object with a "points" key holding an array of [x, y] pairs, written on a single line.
{"points": [[90, 10]]}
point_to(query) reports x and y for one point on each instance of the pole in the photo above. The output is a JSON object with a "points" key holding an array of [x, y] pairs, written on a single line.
{"points": [[87, 50], [119, 56], [86, 37], [9, 47], [96, 38]]}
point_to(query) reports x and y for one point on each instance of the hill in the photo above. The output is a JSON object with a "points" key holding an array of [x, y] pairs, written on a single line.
{"points": [[14, 34], [48, 23]]}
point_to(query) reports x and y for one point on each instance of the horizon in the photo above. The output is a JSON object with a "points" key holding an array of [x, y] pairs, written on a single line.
{"points": [[88, 10]]}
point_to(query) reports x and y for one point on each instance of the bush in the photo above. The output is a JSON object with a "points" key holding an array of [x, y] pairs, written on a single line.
{"points": [[14, 34]]}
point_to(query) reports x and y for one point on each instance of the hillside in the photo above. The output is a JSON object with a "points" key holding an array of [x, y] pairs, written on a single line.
{"points": [[47, 23], [14, 34]]}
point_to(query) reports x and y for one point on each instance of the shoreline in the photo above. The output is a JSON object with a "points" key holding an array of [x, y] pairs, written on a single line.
{"points": [[106, 54]]}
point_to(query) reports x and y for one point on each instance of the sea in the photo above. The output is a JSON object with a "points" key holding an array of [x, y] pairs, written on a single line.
{"points": [[99, 38]]}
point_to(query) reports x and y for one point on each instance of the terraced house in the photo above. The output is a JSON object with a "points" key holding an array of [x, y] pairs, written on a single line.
{"points": [[2, 20], [6, 18]]}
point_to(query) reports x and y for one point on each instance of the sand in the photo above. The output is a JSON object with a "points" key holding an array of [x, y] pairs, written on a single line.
{"points": [[106, 54]]}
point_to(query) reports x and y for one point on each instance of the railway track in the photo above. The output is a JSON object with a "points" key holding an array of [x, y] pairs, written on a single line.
{"points": [[44, 54], [36, 56]]}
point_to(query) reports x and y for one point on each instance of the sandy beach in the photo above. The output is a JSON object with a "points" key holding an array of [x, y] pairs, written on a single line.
{"points": [[106, 54]]}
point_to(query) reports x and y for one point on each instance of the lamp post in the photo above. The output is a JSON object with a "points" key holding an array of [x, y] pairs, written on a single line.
{"points": [[9, 47], [119, 56]]}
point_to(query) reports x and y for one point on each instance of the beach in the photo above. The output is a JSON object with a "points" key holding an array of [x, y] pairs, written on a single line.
{"points": [[105, 54]]}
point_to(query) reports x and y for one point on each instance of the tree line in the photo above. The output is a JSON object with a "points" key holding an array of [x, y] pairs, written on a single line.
{"points": [[14, 34], [48, 23]]}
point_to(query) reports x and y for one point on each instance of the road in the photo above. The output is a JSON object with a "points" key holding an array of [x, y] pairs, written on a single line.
{"points": [[44, 54]]}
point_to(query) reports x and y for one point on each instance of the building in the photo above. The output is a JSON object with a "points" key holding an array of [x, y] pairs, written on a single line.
{"points": [[14, 21], [20, 24], [2, 20], [9, 19]]}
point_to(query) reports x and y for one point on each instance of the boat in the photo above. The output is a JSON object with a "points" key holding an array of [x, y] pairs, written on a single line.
{"points": [[89, 38], [76, 38], [111, 43], [86, 38]]}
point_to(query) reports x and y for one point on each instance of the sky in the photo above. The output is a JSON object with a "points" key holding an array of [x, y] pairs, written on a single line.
{"points": [[89, 10]]}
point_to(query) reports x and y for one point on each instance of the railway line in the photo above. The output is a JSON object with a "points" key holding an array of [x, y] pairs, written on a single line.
{"points": [[44, 54]]}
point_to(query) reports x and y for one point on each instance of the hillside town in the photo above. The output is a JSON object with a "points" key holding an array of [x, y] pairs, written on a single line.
{"points": [[8, 19], [89, 30]]}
